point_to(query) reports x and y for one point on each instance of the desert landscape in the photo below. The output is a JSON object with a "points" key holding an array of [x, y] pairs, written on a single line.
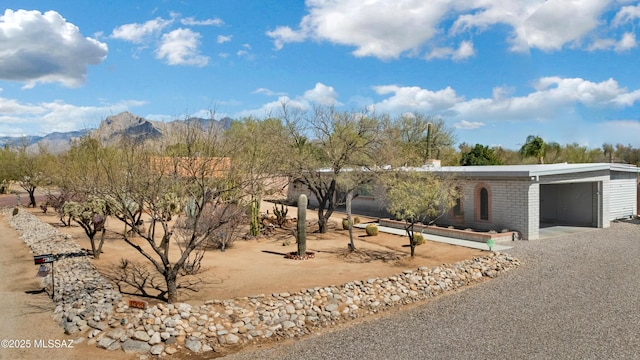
{"points": [[249, 267]]}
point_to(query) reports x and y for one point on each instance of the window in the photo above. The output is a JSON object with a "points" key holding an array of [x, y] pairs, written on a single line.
{"points": [[458, 210], [482, 203]]}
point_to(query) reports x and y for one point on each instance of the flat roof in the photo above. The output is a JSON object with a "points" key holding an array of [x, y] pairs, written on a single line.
{"points": [[529, 170]]}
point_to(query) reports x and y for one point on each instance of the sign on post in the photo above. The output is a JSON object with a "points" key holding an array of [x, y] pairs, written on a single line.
{"points": [[43, 259], [46, 259]]}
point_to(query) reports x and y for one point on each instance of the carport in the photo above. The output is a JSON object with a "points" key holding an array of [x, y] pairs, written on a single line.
{"points": [[570, 204]]}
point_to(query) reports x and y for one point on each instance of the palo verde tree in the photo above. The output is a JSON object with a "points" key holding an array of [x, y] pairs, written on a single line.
{"points": [[79, 188], [30, 169], [260, 155], [419, 197], [331, 160], [191, 193]]}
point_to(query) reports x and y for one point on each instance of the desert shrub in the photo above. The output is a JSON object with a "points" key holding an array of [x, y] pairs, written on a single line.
{"points": [[418, 239], [281, 214], [371, 230]]}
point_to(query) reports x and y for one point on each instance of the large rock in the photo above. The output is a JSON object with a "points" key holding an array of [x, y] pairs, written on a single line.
{"points": [[155, 339], [193, 344], [156, 349], [135, 346], [105, 342], [141, 335]]}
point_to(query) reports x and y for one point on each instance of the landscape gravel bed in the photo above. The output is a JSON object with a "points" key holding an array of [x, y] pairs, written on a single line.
{"points": [[574, 297], [89, 306]]}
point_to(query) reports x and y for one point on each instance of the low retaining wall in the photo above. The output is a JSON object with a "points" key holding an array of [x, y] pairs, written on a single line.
{"points": [[95, 311], [453, 233]]}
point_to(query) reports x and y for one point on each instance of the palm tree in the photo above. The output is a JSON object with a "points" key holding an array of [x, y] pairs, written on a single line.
{"points": [[608, 151], [534, 147]]}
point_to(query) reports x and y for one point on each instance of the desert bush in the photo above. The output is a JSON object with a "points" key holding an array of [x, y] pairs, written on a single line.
{"points": [[371, 230], [281, 214], [418, 239]]}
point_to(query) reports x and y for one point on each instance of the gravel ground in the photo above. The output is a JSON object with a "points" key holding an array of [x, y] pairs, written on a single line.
{"points": [[574, 297]]}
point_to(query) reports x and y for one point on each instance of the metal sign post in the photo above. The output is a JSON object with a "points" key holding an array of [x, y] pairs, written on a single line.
{"points": [[46, 259]]}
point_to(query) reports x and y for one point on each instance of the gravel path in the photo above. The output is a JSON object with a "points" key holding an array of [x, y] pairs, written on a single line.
{"points": [[574, 297]]}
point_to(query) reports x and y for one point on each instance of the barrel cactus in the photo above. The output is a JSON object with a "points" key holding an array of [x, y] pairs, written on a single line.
{"points": [[371, 230]]}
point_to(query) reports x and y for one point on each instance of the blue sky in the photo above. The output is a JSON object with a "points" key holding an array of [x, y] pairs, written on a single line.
{"points": [[494, 70]]}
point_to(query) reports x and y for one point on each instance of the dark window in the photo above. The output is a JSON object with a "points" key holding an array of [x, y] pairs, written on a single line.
{"points": [[484, 204], [457, 209]]}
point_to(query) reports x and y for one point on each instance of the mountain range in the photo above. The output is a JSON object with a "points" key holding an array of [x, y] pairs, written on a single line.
{"points": [[113, 129]]}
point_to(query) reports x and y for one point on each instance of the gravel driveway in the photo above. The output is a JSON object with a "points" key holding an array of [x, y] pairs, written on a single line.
{"points": [[574, 297]]}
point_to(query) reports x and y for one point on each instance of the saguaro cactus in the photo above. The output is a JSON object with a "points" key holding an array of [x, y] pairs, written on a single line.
{"points": [[302, 225], [255, 217]]}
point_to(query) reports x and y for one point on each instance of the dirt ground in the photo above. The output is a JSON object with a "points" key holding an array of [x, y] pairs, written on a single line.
{"points": [[249, 267]]}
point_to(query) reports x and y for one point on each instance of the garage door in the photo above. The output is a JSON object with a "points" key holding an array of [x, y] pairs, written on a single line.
{"points": [[569, 204]]}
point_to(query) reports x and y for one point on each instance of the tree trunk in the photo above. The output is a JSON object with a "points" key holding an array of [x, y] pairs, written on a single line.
{"points": [[172, 287], [322, 224], [412, 244], [32, 197], [96, 254]]}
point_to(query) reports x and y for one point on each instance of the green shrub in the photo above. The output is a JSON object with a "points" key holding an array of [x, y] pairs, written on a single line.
{"points": [[418, 239], [371, 230]]}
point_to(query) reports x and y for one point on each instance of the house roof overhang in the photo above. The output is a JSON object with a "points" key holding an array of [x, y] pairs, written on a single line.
{"points": [[529, 171]]}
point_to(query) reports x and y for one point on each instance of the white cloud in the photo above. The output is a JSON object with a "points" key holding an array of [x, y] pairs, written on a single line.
{"points": [[273, 108], [180, 47], [138, 33], [464, 51], [322, 95], [560, 22], [284, 34], [390, 29], [413, 98], [190, 21], [550, 97], [468, 125], [223, 39], [379, 28], [245, 52], [627, 14], [44, 48], [268, 92], [46, 117], [627, 42]]}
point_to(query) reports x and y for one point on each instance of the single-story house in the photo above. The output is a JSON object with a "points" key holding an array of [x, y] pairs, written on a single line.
{"points": [[525, 198]]}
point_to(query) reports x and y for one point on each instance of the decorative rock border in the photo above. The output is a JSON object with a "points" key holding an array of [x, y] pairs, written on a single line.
{"points": [[91, 307]]}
